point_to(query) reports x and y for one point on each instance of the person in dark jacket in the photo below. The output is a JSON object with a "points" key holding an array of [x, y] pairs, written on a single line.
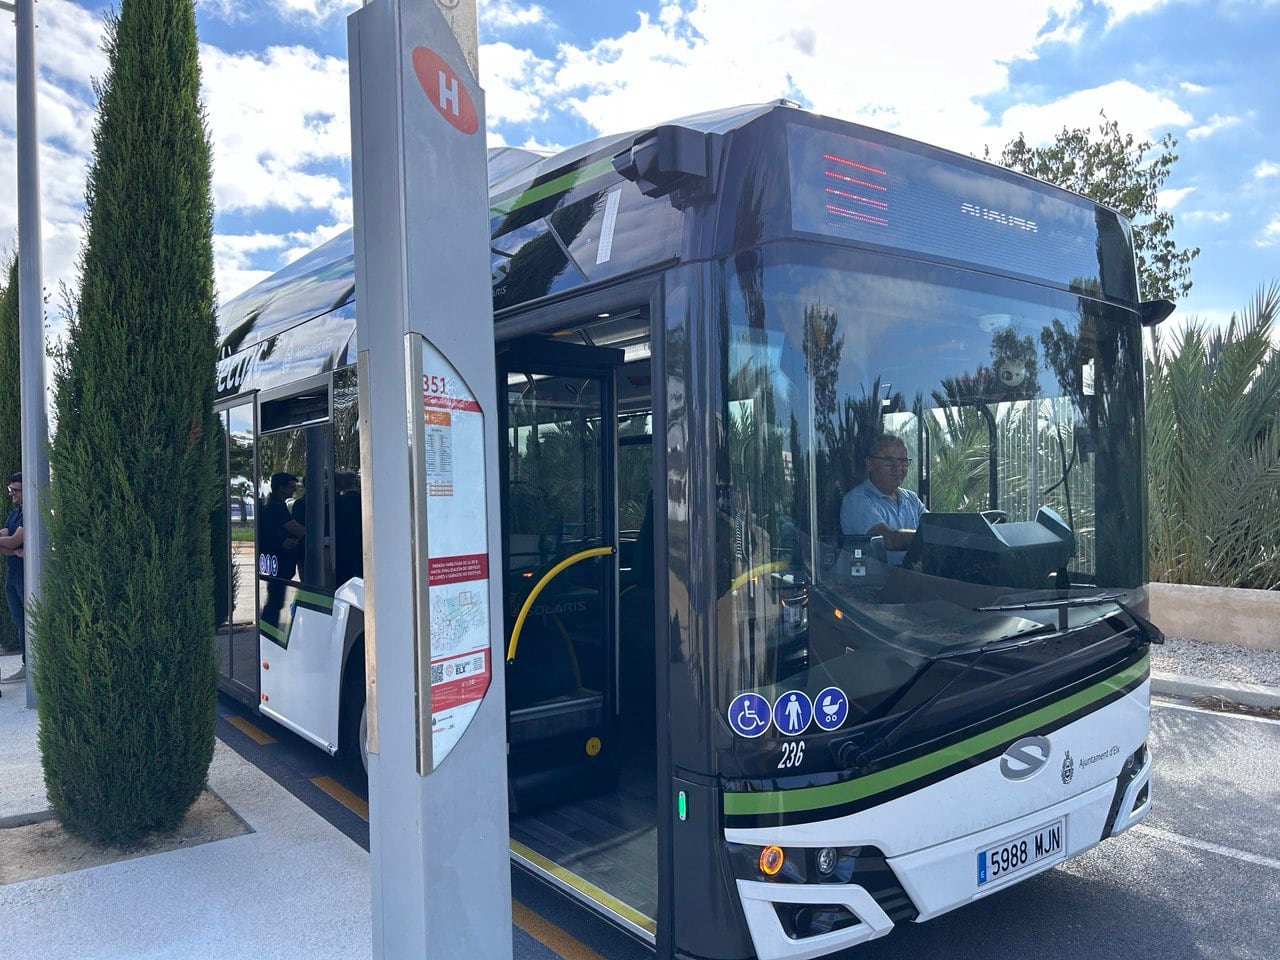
{"points": [[14, 585], [281, 538]]}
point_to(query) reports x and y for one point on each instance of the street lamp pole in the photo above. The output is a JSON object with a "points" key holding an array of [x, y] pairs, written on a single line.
{"points": [[35, 427]]}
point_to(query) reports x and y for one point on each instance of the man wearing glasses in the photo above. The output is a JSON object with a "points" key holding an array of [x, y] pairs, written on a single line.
{"points": [[11, 550], [879, 507]]}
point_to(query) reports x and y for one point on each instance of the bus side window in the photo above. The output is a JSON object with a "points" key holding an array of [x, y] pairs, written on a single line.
{"points": [[348, 551]]}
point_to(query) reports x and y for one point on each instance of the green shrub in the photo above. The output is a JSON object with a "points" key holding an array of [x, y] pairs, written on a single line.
{"points": [[126, 674], [1213, 429]]}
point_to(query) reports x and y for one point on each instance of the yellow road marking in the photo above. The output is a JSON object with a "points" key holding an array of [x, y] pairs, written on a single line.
{"points": [[250, 731], [554, 938], [549, 935], [344, 796]]}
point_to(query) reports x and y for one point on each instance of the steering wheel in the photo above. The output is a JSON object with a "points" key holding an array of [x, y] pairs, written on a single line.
{"points": [[995, 516]]}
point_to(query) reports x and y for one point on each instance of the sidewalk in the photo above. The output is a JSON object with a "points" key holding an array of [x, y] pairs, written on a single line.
{"points": [[294, 887], [1190, 669]]}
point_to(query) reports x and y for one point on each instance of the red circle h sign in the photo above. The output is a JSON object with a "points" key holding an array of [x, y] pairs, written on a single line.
{"points": [[444, 89]]}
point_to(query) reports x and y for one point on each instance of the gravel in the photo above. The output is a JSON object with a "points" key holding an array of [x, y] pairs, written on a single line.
{"points": [[1222, 662]]}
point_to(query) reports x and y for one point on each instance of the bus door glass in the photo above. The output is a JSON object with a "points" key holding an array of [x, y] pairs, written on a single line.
{"points": [[295, 562], [235, 580], [558, 509]]}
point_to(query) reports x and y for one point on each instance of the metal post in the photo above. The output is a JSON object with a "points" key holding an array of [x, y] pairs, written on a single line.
{"points": [[35, 427], [439, 858]]}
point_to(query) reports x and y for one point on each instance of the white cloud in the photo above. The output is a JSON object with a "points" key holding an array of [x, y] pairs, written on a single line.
{"points": [[504, 14], [1169, 199], [1134, 108], [516, 83], [232, 255], [228, 11], [1209, 216], [316, 11], [271, 151], [1270, 234], [1266, 169], [1193, 88], [544, 148], [723, 52], [1123, 9], [494, 14], [1212, 125]]}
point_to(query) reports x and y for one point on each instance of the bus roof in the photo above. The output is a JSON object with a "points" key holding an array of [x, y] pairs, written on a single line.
{"points": [[549, 217], [324, 279]]}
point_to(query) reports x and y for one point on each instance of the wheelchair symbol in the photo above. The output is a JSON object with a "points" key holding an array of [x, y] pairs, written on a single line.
{"points": [[749, 715]]}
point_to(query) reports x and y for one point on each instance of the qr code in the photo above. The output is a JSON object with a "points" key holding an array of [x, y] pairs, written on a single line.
{"points": [[437, 673]]}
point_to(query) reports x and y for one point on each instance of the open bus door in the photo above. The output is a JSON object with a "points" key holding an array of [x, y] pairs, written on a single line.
{"points": [[580, 675]]}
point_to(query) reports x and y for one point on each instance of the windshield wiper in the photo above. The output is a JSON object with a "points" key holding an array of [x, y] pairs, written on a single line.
{"points": [[1150, 632], [978, 653]]}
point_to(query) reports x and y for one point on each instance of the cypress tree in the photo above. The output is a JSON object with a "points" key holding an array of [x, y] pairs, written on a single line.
{"points": [[10, 407], [126, 676]]}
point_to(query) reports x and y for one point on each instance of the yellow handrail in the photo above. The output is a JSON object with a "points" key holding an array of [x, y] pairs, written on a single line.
{"points": [[758, 570], [547, 578]]}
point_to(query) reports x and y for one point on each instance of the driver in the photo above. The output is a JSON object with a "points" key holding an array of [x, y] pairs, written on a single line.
{"points": [[879, 507]]}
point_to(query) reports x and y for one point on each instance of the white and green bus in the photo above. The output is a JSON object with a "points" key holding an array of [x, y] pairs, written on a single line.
{"points": [[741, 722]]}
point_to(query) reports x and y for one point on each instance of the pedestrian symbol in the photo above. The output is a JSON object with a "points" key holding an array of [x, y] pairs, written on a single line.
{"points": [[749, 715], [792, 712], [831, 707]]}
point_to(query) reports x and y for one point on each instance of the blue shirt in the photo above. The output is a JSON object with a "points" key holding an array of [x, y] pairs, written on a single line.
{"points": [[865, 506]]}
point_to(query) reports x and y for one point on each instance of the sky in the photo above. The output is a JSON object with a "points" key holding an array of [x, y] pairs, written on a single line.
{"points": [[960, 76]]}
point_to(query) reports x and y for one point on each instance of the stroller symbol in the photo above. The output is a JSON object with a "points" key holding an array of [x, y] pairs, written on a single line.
{"points": [[833, 708]]}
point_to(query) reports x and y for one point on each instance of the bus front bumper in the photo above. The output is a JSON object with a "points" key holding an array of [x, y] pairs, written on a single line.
{"points": [[941, 877]]}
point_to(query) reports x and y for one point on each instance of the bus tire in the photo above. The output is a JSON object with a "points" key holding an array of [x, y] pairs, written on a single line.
{"points": [[353, 746]]}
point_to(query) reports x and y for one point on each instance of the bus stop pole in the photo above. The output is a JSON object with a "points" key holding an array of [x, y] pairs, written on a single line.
{"points": [[438, 830], [35, 423]]}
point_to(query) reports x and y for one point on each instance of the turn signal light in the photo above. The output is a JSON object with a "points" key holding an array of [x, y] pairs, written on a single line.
{"points": [[771, 861]]}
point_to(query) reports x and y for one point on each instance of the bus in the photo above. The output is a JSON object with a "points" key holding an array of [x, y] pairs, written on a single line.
{"points": [[741, 721]]}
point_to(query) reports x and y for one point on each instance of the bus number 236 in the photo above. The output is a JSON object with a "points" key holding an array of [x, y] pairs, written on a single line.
{"points": [[792, 754]]}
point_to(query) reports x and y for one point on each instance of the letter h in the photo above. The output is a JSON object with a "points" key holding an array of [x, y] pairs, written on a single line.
{"points": [[448, 92]]}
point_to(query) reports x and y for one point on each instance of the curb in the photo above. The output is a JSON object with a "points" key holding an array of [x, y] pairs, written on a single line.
{"points": [[1249, 694]]}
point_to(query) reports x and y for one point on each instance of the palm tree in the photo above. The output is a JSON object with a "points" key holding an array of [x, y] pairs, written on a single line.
{"points": [[1213, 423]]}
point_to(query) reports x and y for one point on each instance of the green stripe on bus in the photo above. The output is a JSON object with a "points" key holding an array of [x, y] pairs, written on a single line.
{"points": [[271, 631], [315, 599], [837, 794], [552, 187]]}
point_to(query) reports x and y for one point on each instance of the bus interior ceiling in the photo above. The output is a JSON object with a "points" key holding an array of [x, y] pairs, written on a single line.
{"points": [[583, 786]]}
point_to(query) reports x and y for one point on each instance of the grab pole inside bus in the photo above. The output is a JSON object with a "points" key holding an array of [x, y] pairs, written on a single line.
{"points": [[438, 829]]}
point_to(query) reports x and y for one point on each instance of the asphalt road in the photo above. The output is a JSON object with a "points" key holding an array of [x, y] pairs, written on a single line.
{"points": [[1200, 877]]}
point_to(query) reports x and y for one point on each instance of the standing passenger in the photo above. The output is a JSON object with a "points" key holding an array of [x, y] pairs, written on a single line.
{"points": [[14, 586], [281, 535]]}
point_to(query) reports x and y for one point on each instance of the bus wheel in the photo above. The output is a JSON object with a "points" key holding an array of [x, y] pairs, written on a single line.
{"points": [[364, 737], [353, 746]]}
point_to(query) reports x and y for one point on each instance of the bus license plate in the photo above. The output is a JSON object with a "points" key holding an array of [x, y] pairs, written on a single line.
{"points": [[1019, 854]]}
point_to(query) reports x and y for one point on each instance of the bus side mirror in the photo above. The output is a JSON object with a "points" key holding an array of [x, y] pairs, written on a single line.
{"points": [[1155, 312], [672, 160]]}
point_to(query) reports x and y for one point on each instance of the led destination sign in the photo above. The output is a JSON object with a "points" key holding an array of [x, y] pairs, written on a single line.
{"points": [[934, 205]]}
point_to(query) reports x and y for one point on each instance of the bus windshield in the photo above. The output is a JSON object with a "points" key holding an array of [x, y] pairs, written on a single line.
{"points": [[859, 394]]}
